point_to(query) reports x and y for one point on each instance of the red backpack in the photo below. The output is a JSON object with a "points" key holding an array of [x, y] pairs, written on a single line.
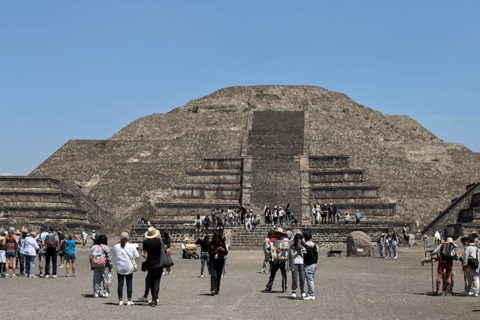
{"points": [[50, 242]]}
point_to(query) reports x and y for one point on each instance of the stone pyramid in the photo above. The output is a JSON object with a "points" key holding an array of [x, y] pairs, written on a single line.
{"points": [[269, 145]]}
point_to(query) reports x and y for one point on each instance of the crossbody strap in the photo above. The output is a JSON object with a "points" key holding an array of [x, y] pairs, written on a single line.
{"points": [[128, 256]]}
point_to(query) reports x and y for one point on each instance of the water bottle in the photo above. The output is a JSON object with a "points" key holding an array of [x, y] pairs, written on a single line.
{"points": [[109, 279]]}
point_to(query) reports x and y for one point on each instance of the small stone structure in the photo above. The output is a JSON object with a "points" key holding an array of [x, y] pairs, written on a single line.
{"points": [[359, 244], [35, 201], [461, 217]]}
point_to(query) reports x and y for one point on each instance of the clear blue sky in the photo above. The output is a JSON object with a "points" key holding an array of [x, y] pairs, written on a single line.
{"points": [[85, 69]]}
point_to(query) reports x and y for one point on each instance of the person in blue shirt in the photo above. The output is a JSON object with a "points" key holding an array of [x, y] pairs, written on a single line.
{"points": [[70, 252], [21, 249], [358, 216]]}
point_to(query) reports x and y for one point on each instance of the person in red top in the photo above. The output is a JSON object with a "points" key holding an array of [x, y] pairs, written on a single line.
{"points": [[447, 252], [11, 244]]}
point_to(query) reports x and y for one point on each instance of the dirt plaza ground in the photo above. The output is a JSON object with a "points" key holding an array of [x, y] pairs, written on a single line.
{"points": [[345, 288]]}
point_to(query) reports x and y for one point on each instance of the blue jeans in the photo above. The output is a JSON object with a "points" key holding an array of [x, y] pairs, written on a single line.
{"points": [[204, 258], [394, 249], [310, 274], [120, 278], [29, 264]]}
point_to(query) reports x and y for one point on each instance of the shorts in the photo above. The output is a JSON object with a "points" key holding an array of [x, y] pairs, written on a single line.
{"points": [[41, 257], [70, 257], [11, 254], [2, 257]]}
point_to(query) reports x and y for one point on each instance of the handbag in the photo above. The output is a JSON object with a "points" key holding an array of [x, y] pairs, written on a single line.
{"points": [[135, 267], [144, 266], [165, 259]]}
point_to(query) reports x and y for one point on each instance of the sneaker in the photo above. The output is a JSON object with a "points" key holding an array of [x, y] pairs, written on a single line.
{"points": [[394, 257], [54, 276], [14, 276], [216, 292], [73, 274], [163, 273], [130, 303], [465, 293], [47, 275], [143, 299], [304, 295], [294, 296], [120, 303], [95, 295], [6, 276], [41, 275], [201, 276], [263, 271], [212, 293], [267, 290], [106, 295], [447, 293], [309, 298], [61, 266], [32, 276]]}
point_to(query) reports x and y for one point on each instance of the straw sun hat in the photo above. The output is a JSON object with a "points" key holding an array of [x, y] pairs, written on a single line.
{"points": [[152, 233]]}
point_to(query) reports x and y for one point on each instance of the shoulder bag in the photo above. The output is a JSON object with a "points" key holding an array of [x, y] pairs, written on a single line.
{"points": [[134, 264], [165, 259]]}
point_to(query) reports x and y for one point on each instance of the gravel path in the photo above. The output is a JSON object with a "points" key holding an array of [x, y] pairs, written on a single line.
{"points": [[346, 288]]}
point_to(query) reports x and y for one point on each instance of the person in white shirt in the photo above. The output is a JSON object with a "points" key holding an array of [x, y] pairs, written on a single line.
{"points": [[438, 237], [347, 218], [248, 223], [125, 256], [84, 236], [281, 214]]}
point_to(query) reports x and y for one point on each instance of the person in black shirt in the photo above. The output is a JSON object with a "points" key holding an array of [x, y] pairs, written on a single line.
{"points": [[217, 250], [152, 249], [204, 253]]}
